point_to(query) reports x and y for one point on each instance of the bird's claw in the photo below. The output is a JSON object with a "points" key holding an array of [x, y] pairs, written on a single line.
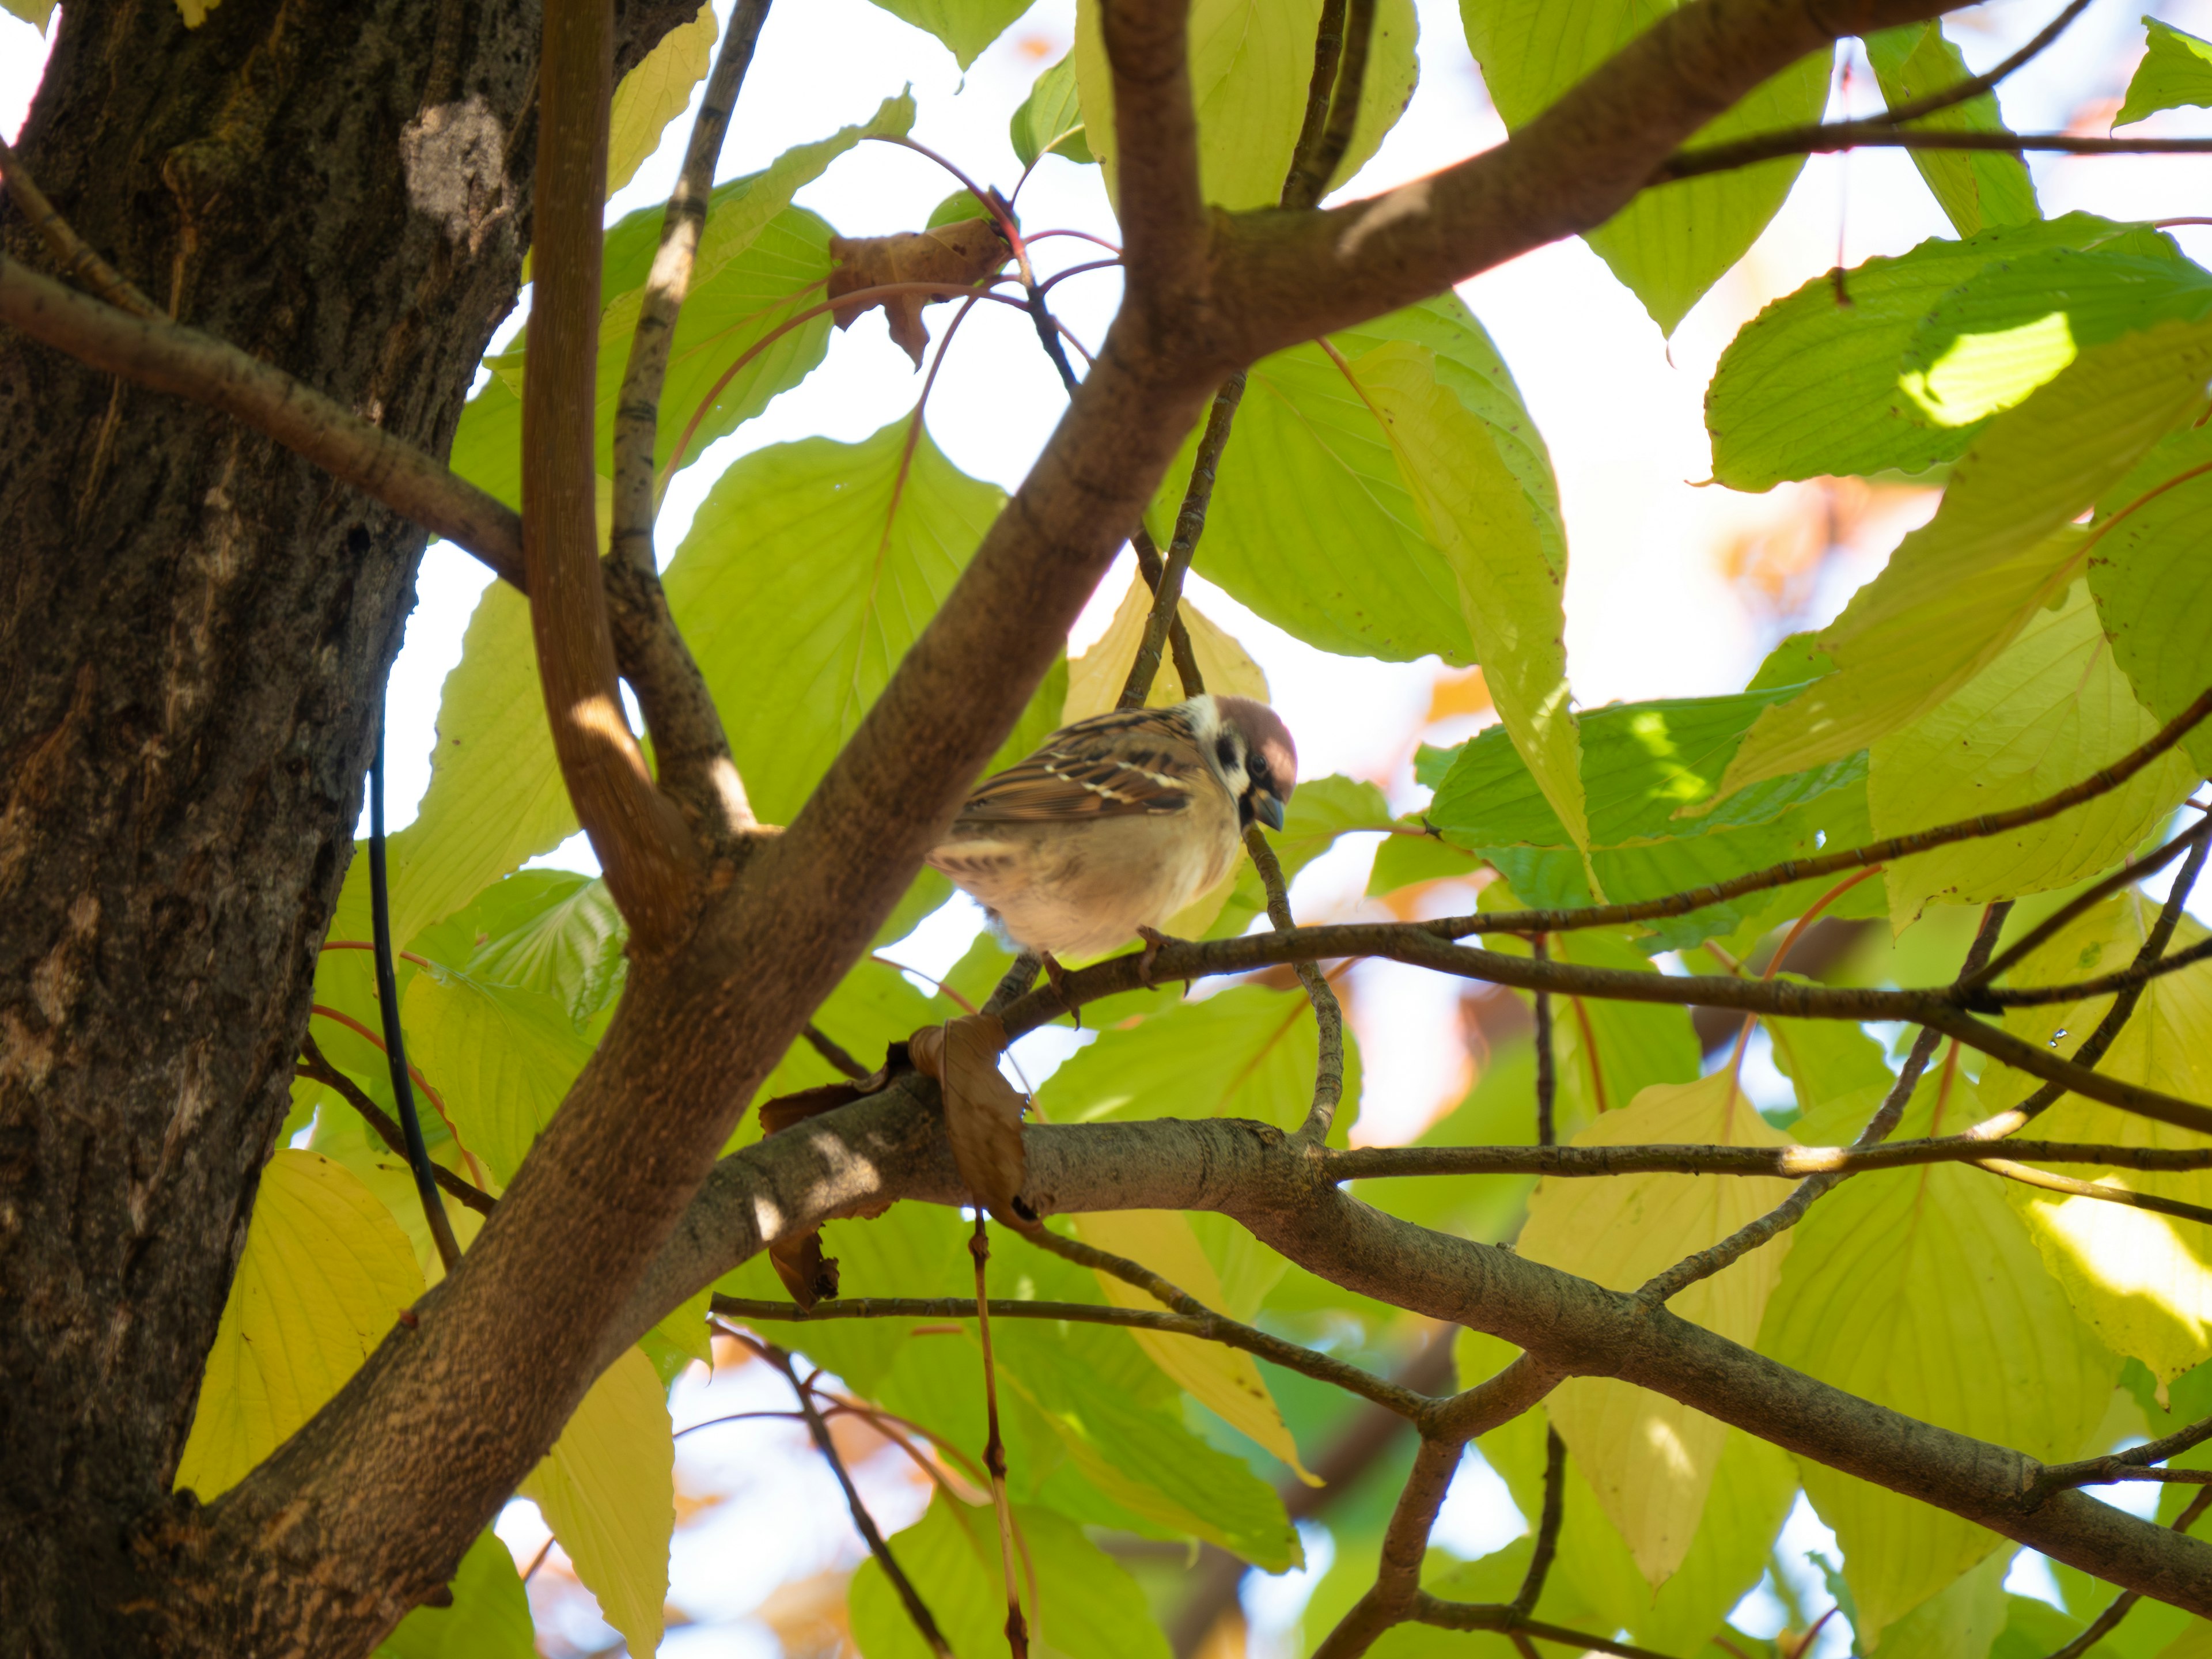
{"points": [[1058, 976], [1153, 940]]}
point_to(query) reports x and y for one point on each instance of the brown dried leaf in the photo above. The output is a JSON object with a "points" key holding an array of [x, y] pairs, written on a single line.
{"points": [[808, 1274], [959, 255], [982, 1113]]}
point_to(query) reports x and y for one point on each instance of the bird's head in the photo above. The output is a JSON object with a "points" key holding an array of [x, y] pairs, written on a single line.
{"points": [[1258, 761]]}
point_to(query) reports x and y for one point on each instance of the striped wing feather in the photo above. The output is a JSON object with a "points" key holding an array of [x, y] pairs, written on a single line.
{"points": [[1111, 765]]}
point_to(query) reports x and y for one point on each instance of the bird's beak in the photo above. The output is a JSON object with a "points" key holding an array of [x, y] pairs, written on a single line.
{"points": [[1268, 809]]}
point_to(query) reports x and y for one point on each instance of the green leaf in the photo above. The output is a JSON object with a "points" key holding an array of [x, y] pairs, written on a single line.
{"points": [[1409, 861], [489, 1618], [324, 1273], [1827, 1060], [1086, 1605], [965, 26], [2142, 1280], [1652, 1459], [1992, 341], [1251, 66], [2152, 585], [1976, 189], [1321, 810], [1310, 470], [1958, 590], [1668, 246], [608, 1490], [502, 1058], [2053, 709], [1503, 547], [1050, 120], [1957, 1623], [809, 570], [567, 945], [2177, 69], [1247, 1051], [1810, 387], [39, 12], [655, 93], [1920, 1290]]}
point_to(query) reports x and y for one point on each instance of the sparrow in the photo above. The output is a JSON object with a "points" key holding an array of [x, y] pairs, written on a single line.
{"points": [[1118, 821]]}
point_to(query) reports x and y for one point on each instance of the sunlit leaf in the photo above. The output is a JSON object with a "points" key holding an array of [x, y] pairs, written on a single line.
{"points": [[965, 26], [1050, 119], [1977, 188], [1810, 386], [489, 1618], [501, 1057], [1921, 1290], [1957, 592], [1225, 1380], [809, 570], [1096, 677], [1669, 246], [1650, 1459], [2153, 586], [324, 1273], [2143, 1281], [2177, 69], [2054, 708], [608, 1490], [655, 93]]}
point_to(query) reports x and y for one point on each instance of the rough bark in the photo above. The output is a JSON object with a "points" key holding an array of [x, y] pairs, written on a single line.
{"points": [[194, 627]]}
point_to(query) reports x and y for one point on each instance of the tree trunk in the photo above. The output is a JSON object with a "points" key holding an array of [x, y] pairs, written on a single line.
{"points": [[195, 626]]}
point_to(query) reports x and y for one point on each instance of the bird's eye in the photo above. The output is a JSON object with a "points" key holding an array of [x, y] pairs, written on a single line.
{"points": [[1258, 767]]}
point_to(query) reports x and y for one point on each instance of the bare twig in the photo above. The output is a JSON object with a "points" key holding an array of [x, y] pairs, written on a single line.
{"points": [[1974, 86], [316, 1068], [1153, 569], [1390, 1599], [1429, 1609], [690, 748], [641, 839], [79, 263], [2104, 1623], [2092, 1470], [870, 1535], [2126, 876], [1879, 135], [2057, 1183], [995, 1449], [1328, 1013], [2130, 978], [1547, 1076], [1190, 525], [1547, 1528], [834, 1053], [1381, 1163]]}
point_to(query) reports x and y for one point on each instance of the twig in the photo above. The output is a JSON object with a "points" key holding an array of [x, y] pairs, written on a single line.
{"points": [[1343, 106], [1878, 134], [916, 1608], [995, 1449], [2126, 876], [1655, 1293], [1390, 1600], [1385, 1163], [1153, 569], [1547, 1529], [639, 837], [1201, 1320], [1328, 1013], [2149, 957], [2057, 1183], [319, 1069], [1429, 1609], [835, 1053], [2131, 978], [79, 263], [2090, 1470], [1547, 1077], [1190, 525], [2103, 1625], [1975, 86], [690, 748], [395, 1046]]}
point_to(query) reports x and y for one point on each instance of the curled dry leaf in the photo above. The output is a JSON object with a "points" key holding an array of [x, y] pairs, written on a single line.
{"points": [[808, 1274], [982, 1113], [959, 255]]}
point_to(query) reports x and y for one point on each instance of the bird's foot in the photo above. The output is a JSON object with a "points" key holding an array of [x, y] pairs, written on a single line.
{"points": [[1153, 940], [1058, 976]]}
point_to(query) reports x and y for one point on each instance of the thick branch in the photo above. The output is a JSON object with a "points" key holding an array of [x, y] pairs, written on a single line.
{"points": [[640, 843], [1164, 220]]}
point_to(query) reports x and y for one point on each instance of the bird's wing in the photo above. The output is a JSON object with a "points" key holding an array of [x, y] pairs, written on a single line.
{"points": [[1129, 761]]}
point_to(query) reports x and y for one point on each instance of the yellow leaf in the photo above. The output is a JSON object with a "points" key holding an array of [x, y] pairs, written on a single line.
{"points": [[1224, 1380], [608, 1490], [1650, 1459], [324, 1273], [2142, 1280], [655, 93], [1095, 678]]}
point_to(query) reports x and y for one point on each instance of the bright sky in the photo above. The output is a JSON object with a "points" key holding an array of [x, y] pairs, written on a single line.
{"points": [[1674, 589]]}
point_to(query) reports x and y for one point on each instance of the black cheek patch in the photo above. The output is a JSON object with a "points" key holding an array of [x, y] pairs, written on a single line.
{"points": [[1224, 749]]}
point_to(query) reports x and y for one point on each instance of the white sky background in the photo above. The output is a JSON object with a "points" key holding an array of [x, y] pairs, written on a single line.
{"points": [[1672, 589]]}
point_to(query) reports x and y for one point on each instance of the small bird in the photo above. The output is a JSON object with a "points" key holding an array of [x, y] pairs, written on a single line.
{"points": [[1118, 821]]}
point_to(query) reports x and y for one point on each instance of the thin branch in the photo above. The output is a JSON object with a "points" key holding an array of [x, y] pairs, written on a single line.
{"points": [[1547, 1074], [1877, 135], [1385, 1163], [2131, 978], [1547, 1529], [1704, 1263], [994, 1447], [316, 1068], [640, 838], [1391, 1598], [835, 1053], [1307, 180], [2057, 1183], [1343, 107], [2091, 1470], [2103, 1625], [1200, 1320], [1153, 569], [79, 263], [2093, 1047], [1470, 1615], [1974, 86], [1190, 525], [152, 351], [911, 1598], [690, 748], [2126, 876], [1328, 1013]]}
